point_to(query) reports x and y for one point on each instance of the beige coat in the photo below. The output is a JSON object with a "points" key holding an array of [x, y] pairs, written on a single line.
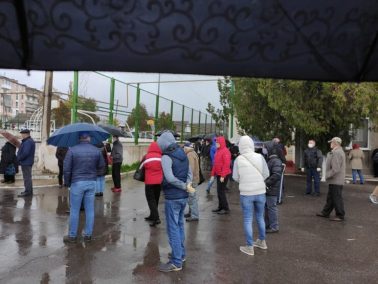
{"points": [[194, 164], [356, 157], [335, 167]]}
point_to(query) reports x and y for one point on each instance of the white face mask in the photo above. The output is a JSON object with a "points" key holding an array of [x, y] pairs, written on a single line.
{"points": [[310, 145]]}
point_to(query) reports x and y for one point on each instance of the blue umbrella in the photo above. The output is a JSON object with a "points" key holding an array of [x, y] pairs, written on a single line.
{"points": [[68, 136]]}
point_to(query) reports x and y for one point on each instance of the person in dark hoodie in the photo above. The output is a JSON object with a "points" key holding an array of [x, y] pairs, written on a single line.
{"points": [[60, 154], [8, 164], [117, 156], [273, 183], [177, 179]]}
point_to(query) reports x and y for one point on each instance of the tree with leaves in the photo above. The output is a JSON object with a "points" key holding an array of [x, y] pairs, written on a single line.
{"points": [[143, 118], [165, 122]]}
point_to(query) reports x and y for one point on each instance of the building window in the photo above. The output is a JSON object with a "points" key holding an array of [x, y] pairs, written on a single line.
{"points": [[361, 135]]}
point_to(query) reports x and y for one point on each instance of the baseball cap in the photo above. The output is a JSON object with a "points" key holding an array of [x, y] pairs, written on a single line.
{"points": [[335, 139], [26, 131]]}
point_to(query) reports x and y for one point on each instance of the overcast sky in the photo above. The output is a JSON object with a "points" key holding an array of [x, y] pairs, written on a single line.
{"points": [[193, 94]]}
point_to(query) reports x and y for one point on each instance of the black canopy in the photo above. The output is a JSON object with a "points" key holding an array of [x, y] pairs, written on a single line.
{"points": [[299, 39]]}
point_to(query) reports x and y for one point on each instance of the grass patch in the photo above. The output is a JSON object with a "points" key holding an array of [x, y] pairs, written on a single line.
{"points": [[126, 168]]}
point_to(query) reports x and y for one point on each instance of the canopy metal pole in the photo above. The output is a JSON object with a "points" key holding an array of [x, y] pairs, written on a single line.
{"points": [[75, 96], [137, 116], [232, 110], [111, 104]]}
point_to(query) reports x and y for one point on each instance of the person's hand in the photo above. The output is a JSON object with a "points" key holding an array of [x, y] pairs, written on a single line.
{"points": [[212, 179], [221, 179], [318, 169], [190, 188], [302, 169]]}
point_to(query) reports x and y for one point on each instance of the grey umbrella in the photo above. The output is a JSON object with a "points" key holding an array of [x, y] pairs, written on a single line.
{"points": [[113, 130]]}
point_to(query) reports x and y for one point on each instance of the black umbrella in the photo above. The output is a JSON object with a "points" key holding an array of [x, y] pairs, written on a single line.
{"points": [[175, 134], [113, 130], [304, 39], [196, 138]]}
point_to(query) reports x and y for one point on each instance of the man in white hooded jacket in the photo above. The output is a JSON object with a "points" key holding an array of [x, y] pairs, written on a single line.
{"points": [[250, 171]]}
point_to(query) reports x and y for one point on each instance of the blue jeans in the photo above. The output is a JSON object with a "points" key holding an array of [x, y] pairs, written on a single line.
{"points": [[209, 185], [354, 175], [174, 215], [100, 184], [312, 173], [271, 218], [78, 191], [253, 204], [193, 205]]}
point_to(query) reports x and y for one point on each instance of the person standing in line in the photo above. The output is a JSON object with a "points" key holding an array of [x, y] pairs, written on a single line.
{"points": [[281, 152], [250, 171], [335, 176], [205, 156], [313, 160], [60, 154], [213, 150], [193, 214], [221, 171], [25, 158], [117, 156], [102, 172], [177, 182], [356, 158], [153, 179], [8, 164], [80, 173], [273, 183]]}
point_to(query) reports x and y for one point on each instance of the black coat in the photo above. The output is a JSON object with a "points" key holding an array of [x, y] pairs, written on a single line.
{"points": [[8, 157], [273, 182], [313, 158], [61, 154]]}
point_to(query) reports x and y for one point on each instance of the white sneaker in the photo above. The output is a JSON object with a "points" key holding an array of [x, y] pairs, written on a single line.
{"points": [[373, 199], [260, 244], [247, 250]]}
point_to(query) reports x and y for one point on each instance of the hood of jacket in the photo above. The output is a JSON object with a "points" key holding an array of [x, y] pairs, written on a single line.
{"points": [[246, 145], [214, 141], [154, 148], [222, 142], [272, 148], [165, 140]]}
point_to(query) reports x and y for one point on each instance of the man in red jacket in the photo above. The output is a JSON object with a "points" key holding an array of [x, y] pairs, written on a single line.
{"points": [[221, 170]]}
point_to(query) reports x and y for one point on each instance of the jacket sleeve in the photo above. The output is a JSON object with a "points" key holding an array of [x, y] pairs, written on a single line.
{"points": [[336, 163], [275, 174], [305, 159], [24, 150], [226, 163], [166, 163], [265, 169], [100, 162], [213, 150], [320, 158], [67, 168], [235, 171]]}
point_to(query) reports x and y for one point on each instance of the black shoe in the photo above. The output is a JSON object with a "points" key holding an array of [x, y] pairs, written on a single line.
{"points": [[149, 218], [224, 212], [307, 193], [190, 219], [70, 240], [216, 210], [316, 194], [271, 231], [87, 239], [154, 223], [187, 215], [322, 215], [25, 194], [99, 194]]}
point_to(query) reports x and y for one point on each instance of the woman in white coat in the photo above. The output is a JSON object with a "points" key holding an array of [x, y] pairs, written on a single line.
{"points": [[250, 171]]}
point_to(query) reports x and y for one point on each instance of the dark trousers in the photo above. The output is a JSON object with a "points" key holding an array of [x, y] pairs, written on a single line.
{"points": [[60, 175], [312, 174], [334, 201], [27, 175], [221, 190], [375, 165], [152, 196], [116, 174]]}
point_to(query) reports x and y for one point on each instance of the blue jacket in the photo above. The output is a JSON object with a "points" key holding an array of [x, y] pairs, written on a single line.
{"points": [[175, 163], [25, 155], [81, 163], [213, 150]]}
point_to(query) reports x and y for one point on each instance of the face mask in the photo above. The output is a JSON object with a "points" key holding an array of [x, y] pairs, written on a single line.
{"points": [[218, 145], [265, 151], [311, 145]]}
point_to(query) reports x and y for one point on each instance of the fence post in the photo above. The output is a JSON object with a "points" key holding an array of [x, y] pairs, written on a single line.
{"points": [[199, 123], [182, 124], [211, 124], [75, 96], [205, 123], [111, 104], [156, 115], [191, 123], [137, 116], [232, 110]]}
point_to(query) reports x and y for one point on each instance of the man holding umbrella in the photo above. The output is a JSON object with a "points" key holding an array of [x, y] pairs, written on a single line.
{"points": [[80, 173]]}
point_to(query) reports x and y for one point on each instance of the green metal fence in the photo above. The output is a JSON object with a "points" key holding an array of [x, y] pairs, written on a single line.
{"points": [[142, 112]]}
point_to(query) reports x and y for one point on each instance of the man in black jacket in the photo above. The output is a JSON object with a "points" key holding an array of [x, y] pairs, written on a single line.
{"points": [[313, 159], [273, 183]]}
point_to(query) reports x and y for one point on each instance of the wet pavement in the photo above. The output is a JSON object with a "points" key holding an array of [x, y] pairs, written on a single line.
{"points": [[308, 249]]}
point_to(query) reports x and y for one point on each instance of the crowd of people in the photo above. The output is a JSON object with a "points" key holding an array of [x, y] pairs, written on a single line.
{"points": [[178, 170]]}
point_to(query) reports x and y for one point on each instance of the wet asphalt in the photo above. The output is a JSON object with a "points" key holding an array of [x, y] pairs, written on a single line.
{"points": [[308, 249]]}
